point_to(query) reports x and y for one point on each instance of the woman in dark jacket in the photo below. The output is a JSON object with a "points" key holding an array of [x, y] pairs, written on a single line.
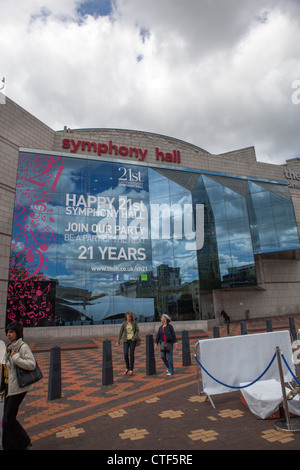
{"points": [[130, 330], [166, 334]]}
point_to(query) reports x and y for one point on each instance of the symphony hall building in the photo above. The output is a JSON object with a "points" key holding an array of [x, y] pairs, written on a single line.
{"points": [[98, 222]]}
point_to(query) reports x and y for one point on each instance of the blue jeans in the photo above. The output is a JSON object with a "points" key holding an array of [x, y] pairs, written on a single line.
{"points": [[129, 347], [167, 358]]}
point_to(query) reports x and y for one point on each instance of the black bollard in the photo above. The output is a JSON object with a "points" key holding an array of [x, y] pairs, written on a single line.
{"points": [[269, 325], [216, 332], [54, 384], [292, 329], [186, 353], [150, 357], [107, 366], [243, 328]]}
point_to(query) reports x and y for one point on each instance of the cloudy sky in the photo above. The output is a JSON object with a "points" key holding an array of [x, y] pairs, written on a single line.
{"points": [[220, 74]]}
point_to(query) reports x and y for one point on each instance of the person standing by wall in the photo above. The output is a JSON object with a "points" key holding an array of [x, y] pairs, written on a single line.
{"points": [[226, 320]]}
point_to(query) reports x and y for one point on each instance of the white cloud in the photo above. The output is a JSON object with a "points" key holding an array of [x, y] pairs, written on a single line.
{"points": [[217, 74]]}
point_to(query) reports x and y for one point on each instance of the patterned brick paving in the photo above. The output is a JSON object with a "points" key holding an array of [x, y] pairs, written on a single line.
{"points": [[142, 412]]}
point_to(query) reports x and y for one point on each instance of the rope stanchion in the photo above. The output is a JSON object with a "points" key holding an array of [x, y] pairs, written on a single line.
{"points": [[294, 377], [287, 425], [233, 386]]}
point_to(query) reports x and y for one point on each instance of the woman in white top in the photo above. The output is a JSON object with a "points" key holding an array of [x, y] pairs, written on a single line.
{"points": [[18, 353]]}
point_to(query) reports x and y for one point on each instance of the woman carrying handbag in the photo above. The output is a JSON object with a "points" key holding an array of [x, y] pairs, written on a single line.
{"points": [[18, 353], [167, 338]]}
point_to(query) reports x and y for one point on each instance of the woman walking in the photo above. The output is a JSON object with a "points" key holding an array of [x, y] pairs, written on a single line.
{"points": [[130, 330], [167, 338], [18, 353]]}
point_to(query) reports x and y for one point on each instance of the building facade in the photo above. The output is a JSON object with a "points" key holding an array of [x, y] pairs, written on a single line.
{"points": [[96, 222]]}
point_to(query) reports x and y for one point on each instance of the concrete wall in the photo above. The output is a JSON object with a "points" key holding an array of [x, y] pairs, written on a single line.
{"points": [[55, 333], [239, 162], [277, 294]]}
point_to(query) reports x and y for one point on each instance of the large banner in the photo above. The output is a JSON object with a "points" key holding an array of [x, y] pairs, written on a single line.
{"points": [[84, 238]]}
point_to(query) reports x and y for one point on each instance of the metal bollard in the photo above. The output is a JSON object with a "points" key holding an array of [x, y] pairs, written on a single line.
{"points": [[186, 353], [243, 328], [150, 357], [292, 329], [107, 366], [269, 325], [216, 332], [54, 384]]}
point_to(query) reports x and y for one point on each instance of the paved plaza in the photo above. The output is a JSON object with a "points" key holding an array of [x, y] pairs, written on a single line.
{"points": [[157, 413]]}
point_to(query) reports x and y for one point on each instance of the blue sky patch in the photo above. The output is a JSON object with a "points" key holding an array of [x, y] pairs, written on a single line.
{"points": [[144, 33], [95, 8]]}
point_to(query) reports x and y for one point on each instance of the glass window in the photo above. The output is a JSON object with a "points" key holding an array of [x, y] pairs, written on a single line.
{"points": [[159, 190], [267, 235], [236, 208], [215, 194], [162, 249], [176, 188], [272, 219], [261, 200], [265, 216], [109, 237]]}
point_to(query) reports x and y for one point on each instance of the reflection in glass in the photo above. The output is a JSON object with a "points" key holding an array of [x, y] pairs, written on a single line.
{"points": [[106, 237], [272, 219]]}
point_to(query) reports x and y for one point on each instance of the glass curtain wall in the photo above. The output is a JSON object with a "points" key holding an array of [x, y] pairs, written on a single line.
{"points": [[93, 239]]}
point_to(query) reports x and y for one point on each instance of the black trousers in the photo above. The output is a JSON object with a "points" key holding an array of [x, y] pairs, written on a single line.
{"points": [[129, 347], [14, 436]]}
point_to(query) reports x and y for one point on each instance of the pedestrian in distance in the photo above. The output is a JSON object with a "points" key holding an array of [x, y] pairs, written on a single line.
{"points": [[130, 331], [226, 319], [18, 353], [225, 316], [167, 338]]}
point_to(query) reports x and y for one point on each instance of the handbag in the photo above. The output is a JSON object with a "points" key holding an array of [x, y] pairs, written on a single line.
{"points": [[138, 341], [28, 377], [165, 346]]}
